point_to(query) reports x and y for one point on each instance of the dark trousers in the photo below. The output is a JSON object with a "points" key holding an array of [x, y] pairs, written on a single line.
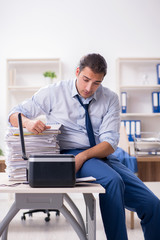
{"points": [[123, 190]]}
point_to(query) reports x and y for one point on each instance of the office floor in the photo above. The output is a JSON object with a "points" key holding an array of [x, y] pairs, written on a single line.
{"points": [[35, 228]]}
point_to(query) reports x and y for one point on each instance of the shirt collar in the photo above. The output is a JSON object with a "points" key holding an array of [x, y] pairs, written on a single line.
{"points": [[74, 89], [75, 92]]}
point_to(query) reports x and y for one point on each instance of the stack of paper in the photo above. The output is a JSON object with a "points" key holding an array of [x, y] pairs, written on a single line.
{"points": [[44, 143], [149, 144]]}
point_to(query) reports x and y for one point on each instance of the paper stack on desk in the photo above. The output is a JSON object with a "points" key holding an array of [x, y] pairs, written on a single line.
{"points": [[44, 143], [147, 145]]}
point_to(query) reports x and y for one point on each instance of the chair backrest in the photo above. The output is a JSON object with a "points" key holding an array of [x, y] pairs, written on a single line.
{"points": [[123, 141]]}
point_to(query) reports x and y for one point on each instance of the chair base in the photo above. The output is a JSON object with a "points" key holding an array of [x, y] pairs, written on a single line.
{"points": [[47, 211]]}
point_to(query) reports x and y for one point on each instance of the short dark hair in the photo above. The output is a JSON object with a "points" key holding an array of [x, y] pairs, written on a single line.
{"points": [[95, 62]]}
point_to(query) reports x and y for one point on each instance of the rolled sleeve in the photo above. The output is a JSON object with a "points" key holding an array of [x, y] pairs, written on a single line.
{"points": [[109, 129]]}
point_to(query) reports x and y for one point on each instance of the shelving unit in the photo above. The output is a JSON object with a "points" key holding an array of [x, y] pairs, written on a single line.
{"points": [[138, 78], [25, 77]]}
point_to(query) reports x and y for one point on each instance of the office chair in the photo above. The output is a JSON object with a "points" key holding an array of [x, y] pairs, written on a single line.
{"points": [[47, 211]]}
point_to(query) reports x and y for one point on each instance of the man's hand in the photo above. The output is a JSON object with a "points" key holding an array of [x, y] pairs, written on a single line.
{"points": [[79, 160], [35, 126], [101, 150]]}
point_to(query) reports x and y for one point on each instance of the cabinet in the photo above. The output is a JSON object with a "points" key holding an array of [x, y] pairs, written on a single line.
{"points": [[149, 168], [25, 77]]}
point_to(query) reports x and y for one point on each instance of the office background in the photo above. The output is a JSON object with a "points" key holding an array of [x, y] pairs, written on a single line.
{"points": [[68, 29]]}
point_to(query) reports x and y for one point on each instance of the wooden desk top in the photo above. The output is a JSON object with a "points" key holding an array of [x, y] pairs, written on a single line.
{"points": [[25, 188], [148, 158]]}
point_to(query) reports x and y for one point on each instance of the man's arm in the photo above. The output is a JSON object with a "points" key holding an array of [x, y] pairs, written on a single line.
{"points": [[35, 126], [101, 150]]}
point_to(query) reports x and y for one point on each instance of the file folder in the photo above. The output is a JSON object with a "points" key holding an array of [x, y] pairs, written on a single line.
{"points": [[138, 129], [158, 73], [128, 129], [123, 102], [133, 130], [123, 124], [155, 107], [159, 102]]}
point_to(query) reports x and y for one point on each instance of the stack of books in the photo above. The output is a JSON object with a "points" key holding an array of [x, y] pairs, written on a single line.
{"points": [[45, 143]]}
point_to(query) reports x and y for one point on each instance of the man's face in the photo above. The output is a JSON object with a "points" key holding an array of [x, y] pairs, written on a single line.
{"points": [[88, 81]]}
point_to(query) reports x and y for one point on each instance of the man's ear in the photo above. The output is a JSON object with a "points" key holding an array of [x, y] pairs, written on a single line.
{"points": [[77, 71]]}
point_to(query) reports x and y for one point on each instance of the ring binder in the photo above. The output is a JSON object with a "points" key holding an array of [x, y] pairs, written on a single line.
{"points": [[138, 129], [155, 102], [158, 73], [133, 128], [123, 102]]}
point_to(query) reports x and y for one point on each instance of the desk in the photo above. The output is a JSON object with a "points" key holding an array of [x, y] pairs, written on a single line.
{"points": [[53, 198], [149, 168]]}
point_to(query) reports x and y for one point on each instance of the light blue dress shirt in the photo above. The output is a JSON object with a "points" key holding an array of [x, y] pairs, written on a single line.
{"points": [[58, 102]]}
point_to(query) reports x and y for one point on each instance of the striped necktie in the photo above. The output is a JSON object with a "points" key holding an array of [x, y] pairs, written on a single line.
{"points": [[88, 123]]}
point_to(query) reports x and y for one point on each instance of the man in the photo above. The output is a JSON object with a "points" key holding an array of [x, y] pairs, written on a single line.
{"points": [[67, 103]]}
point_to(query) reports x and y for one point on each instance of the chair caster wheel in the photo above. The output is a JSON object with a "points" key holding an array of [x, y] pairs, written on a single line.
{"points": [[23, 218], [47, 219], [57, 213]]}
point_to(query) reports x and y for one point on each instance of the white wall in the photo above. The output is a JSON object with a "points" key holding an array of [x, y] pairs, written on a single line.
{"points": [[71, 28]]}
